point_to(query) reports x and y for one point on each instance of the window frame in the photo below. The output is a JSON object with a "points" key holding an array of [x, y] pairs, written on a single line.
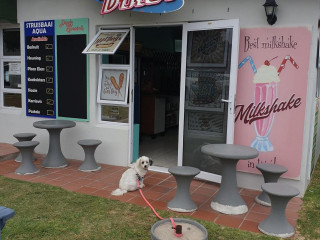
{"points": [[100, 104], [4, 59], [101, 64]]}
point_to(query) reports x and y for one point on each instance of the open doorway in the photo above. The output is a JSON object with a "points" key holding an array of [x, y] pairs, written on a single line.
{"points": [[157, 92]]}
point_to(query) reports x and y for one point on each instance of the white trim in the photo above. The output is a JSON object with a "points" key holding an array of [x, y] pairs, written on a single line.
{"points": [[227, 209], [131, 94], [3, 59]]}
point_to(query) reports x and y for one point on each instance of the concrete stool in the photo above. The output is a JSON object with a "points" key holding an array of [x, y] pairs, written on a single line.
{"points": [[21, 137], [5, 214], [182, 202], [89, 146], [271, 174], [276, 223], [26, 149]]}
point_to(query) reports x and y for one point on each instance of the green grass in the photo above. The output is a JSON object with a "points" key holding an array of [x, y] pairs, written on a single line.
{"points": [[48, 212], [309, 215]]}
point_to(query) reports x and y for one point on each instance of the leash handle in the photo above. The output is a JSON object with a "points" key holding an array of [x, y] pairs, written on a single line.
{"points": [[155, 212]]}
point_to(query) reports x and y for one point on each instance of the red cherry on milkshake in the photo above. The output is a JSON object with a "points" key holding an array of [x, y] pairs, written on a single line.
{"points": [[266, 62]]}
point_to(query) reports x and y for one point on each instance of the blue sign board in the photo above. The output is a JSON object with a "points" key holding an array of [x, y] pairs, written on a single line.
{"points": [[40, 68], [163, 7]]}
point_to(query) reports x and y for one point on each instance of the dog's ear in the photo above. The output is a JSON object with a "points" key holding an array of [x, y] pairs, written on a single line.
{"points": [[150, 161]]}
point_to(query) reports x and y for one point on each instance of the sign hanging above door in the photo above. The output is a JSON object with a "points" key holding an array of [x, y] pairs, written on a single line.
{"points": [[106, 42], [148, 6]]}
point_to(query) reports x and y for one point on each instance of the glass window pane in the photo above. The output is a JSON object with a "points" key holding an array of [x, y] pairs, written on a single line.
{"points": [[12, 100], [12, 75], [115, 113], [207, 83], [122, 55], [11, 42]]}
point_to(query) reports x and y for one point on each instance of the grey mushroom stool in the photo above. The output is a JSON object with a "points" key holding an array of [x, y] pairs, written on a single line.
{"points": [[271, 174], [276, 223], [89, 146], [5, 214], [21, 137], [182, 201], [26, 149], [228, 199]]}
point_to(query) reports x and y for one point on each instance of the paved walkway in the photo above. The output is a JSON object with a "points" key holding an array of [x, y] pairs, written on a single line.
{"points": [[160, 188]]}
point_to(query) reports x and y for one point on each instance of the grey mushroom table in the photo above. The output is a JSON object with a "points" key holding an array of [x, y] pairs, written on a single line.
{"points": [[228, 200], [54, 158]]}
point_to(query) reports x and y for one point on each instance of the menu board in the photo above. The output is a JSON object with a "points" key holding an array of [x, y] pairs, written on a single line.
{"points": [[40, 68], [71, 69]]}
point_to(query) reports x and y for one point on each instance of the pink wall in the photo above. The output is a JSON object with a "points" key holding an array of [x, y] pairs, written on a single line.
{"points": [[270, 112]]}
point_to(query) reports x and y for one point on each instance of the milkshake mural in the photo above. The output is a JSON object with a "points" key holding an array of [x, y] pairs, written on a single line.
{"points": [[270, 110]]}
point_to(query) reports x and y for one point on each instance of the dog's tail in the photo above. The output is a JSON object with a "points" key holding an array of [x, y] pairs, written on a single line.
{"points": [[118, 192]]}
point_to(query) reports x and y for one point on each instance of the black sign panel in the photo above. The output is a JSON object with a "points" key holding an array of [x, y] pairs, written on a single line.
{"points": [[72, 76], [40, 68]]}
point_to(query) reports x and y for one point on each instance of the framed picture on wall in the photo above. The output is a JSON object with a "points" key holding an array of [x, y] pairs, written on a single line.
{"points": [[208, 48], [113, 84]]}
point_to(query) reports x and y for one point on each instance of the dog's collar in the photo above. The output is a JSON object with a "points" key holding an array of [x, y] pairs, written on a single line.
{"points": [[138, 176]]}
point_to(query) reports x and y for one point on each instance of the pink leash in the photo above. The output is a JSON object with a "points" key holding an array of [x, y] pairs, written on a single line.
{"points": [[174, 226]]}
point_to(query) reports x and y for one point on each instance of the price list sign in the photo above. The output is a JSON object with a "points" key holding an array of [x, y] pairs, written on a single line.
{"points": [[40, 68]]}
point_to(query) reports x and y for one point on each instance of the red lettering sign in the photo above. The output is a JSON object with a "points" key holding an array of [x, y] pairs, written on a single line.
{"points": [[253, 113], [109, 6]]}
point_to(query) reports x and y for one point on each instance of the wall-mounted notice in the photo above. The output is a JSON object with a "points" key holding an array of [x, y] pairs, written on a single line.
{"points": [[271, 96], [40, 68], [72, 71]]}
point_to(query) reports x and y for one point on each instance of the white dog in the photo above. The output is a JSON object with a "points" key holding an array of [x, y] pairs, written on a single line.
{"points": [[128, 181]]}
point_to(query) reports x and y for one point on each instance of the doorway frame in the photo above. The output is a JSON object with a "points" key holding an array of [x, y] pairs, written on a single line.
{"points": [[231, 23], [132, 81]]}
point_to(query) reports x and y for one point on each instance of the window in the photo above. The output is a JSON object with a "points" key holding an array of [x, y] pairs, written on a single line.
{"points": [[110, 112], [10, 64]]}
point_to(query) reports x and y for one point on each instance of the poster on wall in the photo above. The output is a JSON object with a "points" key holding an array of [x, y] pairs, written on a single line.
{"points": [[271, 95], [113, 85], [40, 68]]}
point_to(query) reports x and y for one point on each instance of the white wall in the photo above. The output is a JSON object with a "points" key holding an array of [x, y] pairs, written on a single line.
{"points": [[114, 149]]}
